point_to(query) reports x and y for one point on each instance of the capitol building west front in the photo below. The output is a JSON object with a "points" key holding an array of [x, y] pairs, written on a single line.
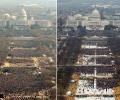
{"points": [[92, 21]]}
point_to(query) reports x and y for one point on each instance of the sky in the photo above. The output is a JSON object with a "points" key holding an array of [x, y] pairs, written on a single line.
{"points": [[20, 2], [90, 1], [53, 2]]}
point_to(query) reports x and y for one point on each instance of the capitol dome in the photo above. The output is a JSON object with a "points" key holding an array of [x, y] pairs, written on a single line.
{"points": [[95, 12], [95, 16], [23, 12], [22, 15]]}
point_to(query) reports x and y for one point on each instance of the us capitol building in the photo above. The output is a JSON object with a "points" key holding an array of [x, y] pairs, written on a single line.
{"points": [[93, 21], [21, 21]]}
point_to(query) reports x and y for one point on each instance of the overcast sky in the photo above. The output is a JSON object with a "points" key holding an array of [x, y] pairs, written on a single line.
{"points": [[90, 1], [20, 2]]}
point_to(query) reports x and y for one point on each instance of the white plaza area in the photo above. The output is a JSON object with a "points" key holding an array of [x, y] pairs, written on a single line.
{"points": [[95, 98], [103, 75], [86, 91], [85, 46]]}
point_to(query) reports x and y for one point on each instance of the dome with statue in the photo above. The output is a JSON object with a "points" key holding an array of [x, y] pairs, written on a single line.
{"points": [[22, 15], [95, 15], [23, 12]]}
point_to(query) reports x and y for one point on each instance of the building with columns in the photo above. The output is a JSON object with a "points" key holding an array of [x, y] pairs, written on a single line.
{"points": [[22, 22], [92, 21]]}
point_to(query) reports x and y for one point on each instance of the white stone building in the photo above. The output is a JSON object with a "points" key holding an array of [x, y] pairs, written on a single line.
{"points": [[92, 21], [43, 23], [21, 21]]}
